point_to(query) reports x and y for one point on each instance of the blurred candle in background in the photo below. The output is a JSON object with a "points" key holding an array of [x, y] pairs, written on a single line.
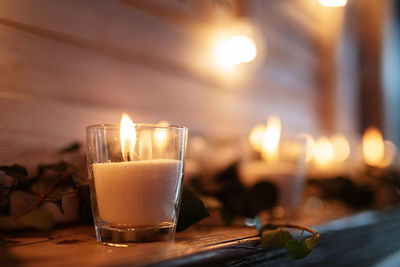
{"points": [[160, 136], [282, 164], [376, 151], [331, 157], [271, 139]]}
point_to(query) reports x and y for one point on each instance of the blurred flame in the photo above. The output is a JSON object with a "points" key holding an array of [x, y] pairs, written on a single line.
{"points": [[256, 137], [333, 3], [390, 151], [127, 137], [341, 147], [309, 146], [272, 136], [235, 50], [323, 151], [161, 135], [145, 145], [373, 146]]}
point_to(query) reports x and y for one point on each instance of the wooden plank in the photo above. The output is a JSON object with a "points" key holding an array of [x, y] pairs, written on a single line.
{"points": [[362, 239], [78, 246]]}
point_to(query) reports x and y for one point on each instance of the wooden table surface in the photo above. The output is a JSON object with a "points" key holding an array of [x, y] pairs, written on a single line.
{"points": [[363, 239]]}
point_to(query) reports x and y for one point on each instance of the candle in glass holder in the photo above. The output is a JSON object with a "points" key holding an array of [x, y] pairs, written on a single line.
{"points": [[135, 180], [282, 165]]}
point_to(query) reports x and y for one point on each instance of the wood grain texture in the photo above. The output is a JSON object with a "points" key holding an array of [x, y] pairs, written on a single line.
{"points": [[361, 239], [78, 246], [68, 64]]}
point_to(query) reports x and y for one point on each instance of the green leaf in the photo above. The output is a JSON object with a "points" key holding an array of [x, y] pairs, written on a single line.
{"points": [[58, 167], [297, 249], [226, 217], [38, 219], [275, 238], [192, 210], [312, 241], [18, 172]]}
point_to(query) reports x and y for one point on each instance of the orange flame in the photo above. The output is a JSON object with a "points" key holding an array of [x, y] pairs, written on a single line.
{"points": [[323, 151], [272, 137], [127, 137], [373, 146], [256, 137]]}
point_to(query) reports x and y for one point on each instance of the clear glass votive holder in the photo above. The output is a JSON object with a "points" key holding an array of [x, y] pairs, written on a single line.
{"points": [[284, 167], [135, 192]]}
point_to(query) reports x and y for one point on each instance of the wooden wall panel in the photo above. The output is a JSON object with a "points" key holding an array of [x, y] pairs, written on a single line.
{"points": [[67, 64]]}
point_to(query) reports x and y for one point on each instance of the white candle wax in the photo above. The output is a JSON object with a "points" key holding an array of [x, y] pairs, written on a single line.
{"points": [[137, 193]]}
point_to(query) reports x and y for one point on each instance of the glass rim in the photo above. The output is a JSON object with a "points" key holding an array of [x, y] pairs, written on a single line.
{"points": [[139, 125]]}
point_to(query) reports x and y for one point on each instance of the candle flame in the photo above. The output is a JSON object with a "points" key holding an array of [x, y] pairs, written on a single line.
{"points": [[373, 146], [256, 137], [127, 137], [309, 146], [323, 151], [272, 137]]}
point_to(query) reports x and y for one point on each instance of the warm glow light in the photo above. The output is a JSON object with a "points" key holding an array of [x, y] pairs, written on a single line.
{"points": [[161, 135], [256, 137], [127, 137], [333, 3], [145, 145], [373, 146], [341, 147], [323, 151], [235, 50], [272, 136], [309, 146], [390, 151]]}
